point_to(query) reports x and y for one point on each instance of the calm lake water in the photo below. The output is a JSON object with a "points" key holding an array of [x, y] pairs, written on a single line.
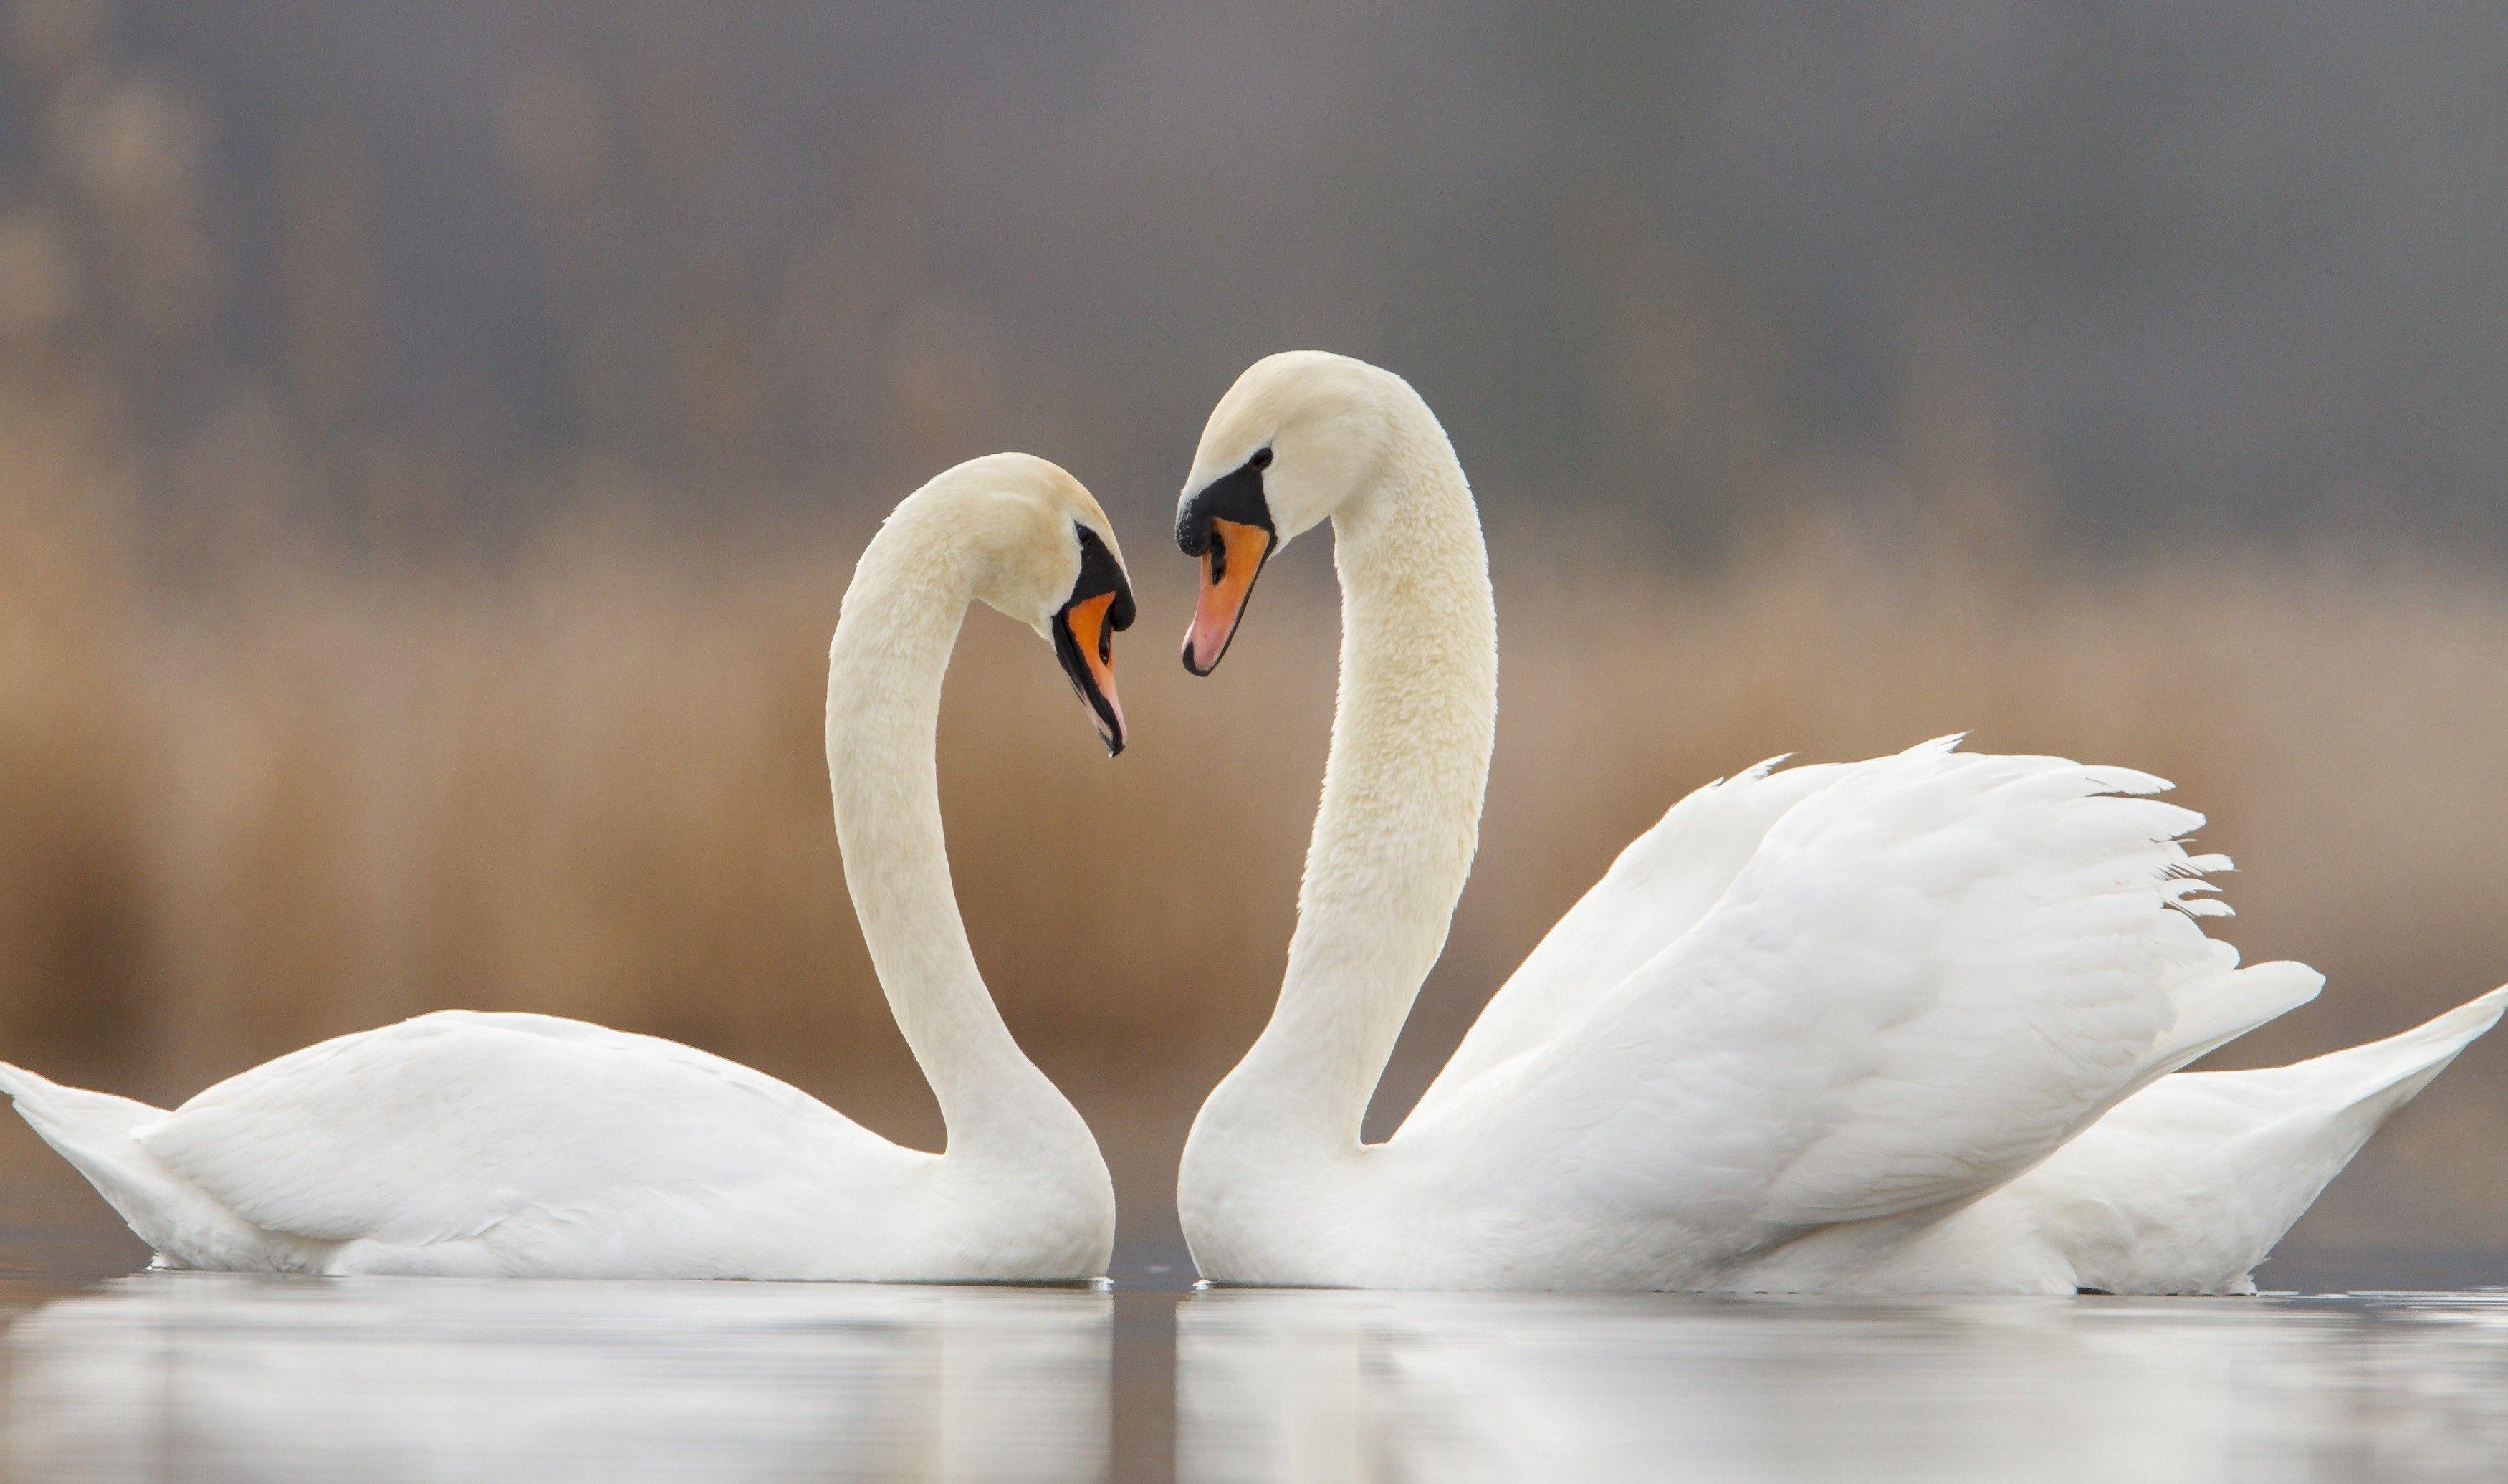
{"points": [[193, 1376]]}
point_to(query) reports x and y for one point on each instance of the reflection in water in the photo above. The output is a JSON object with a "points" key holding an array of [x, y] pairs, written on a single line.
{"points": [[170, 1376], [1323, 1385]]}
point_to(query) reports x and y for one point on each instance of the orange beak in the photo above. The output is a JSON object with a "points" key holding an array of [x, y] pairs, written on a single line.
{"points": [[1085, 642], [1235, 558]]}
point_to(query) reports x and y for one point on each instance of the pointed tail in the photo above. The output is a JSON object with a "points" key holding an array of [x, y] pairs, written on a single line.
{"points": [[93, 1130], [2188, 1184], [72, 1116]]}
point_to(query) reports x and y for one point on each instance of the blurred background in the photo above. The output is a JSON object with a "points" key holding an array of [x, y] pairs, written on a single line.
{"points": [[434, 438]]}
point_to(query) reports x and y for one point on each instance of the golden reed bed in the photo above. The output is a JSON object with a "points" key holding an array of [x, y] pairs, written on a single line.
{"points": [[256, 790]]}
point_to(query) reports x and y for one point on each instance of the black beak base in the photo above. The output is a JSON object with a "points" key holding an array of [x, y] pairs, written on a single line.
{"points": [[1100, 574], [1236, 495], [1235, 499]]}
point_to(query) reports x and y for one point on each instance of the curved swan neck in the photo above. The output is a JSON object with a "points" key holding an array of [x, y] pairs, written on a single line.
{"points": [[901, 620], [1413, 728]]}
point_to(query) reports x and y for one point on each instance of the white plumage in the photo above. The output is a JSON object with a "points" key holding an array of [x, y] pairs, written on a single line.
{"points": [[526, 1145], [1902, 1025], [486, 1144]]}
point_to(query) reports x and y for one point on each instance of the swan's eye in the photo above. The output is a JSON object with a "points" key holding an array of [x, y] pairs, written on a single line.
{"points": [[1261, 459]]}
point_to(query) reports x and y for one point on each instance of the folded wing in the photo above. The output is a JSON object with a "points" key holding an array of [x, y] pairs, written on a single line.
{"points": [[1929, 971], [440, 1127], [1657, 890]]}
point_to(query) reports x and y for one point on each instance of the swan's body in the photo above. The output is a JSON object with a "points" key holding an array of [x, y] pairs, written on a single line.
{"points": [[1899, 1025], [525, 1145]]}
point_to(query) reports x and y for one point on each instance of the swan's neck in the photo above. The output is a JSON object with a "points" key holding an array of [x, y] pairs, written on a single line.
{"points": [[892, 647], [1400, 816]]}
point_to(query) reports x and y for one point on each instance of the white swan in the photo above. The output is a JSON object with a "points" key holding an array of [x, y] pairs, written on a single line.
{"points": [[1899, 1025], [524, 1145]]}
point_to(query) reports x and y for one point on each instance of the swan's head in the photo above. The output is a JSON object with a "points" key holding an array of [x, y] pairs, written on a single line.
{"points": [[1043, 554], [1299, 434]]}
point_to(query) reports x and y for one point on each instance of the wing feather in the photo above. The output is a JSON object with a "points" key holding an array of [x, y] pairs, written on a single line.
{"points": [[1655, 891], [1928, 971], [440, 1127]]}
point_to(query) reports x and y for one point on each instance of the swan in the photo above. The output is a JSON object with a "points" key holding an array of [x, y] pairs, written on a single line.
{"points": [[529, 1146], [1906, 1024]]}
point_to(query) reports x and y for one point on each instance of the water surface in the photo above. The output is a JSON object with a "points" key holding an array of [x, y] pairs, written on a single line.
{"points": [[163, 1376], [1309, 1386]]}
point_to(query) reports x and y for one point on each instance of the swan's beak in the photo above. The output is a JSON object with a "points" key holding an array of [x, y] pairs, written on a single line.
{"points": [[1230, 564], [1084, 640]]}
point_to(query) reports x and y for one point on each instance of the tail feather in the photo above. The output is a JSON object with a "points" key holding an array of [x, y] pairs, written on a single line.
{"points": [[75, 1114], [93, 1130], [2188, 1184], [2396, 1067]]}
